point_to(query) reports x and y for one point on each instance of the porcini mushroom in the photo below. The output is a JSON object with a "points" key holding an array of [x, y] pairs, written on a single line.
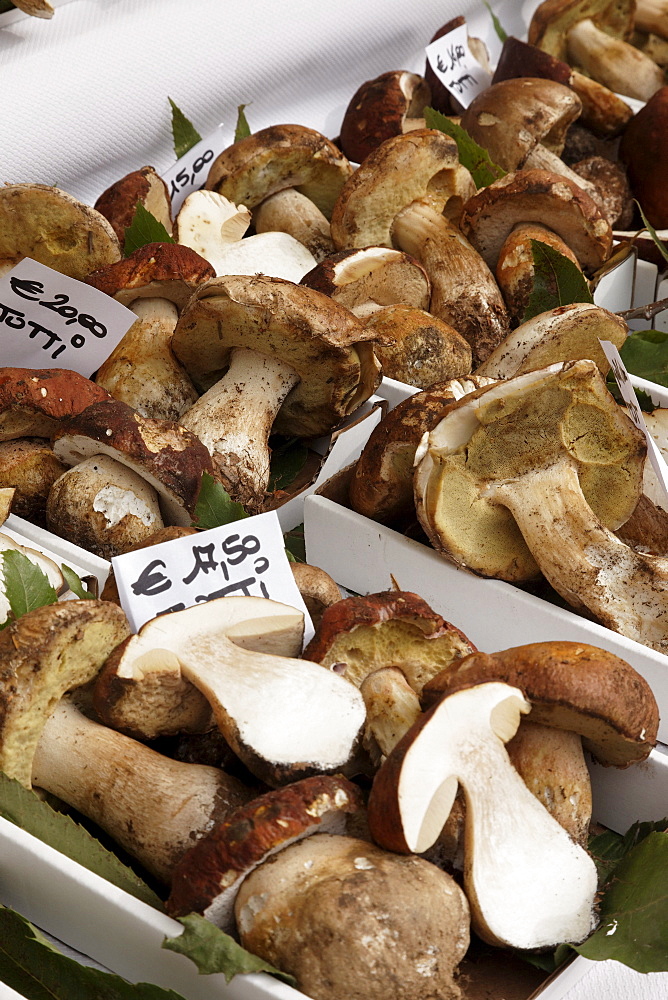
{"points": [[34, 401], [417, 348], [155, 282], [528, 884], [350, 920], [414, 216], [284, 717], [271, 355], [390, 104], [118, 203], [30, 467]]}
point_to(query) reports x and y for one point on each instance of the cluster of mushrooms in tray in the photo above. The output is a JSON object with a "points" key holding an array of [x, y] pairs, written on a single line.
{"points": [[350, 812]]}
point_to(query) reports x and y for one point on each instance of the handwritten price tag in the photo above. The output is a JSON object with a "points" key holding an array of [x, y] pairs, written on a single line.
{"points": [[245, 558], [456, 67], [628, 395], [49, 320], [190, 172]]}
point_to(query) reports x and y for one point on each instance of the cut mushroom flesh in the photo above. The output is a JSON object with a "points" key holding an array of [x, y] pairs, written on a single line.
{"points": [[529, 885]]}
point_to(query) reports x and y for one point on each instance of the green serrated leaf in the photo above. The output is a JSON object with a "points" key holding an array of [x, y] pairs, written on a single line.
{"points": [[214, 951], [184, 133], [661, 246], [471, 155], [22, 807], [144, 229], [645, 354], [557, 281], [634, 910], [26, 586], [242, 130], [215, 506], [287, 461], [502, 35], [34, 967], [295, 544], [75, 583]]}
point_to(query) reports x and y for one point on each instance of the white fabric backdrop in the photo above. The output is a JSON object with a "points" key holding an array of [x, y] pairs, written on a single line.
{"points": [[84, 101]]}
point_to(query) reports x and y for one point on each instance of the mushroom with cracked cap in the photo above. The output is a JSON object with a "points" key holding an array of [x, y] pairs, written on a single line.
{"points": [[528, 884], [270, 355], [420, 215]]}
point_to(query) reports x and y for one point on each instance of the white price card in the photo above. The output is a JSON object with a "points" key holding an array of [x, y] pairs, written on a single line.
{"points": [[245, 559], [189, 173], [635, 413], [49, 320], [456, 67]]}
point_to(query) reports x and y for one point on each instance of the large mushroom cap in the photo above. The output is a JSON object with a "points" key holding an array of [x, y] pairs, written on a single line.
{"points": [[54, 229], [537, 196], [162, 452], [506, 430], [280, 157], [321, 341], [571, 686], [34, 401]]}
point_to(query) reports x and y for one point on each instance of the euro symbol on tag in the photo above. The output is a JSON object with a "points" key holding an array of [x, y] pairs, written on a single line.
{"points": [[151, 582]]}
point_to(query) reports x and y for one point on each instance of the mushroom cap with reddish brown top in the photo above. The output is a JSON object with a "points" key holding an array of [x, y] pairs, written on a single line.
{"points": [[163, 452], [34, 400], [378, 110], [118, 203], [395, 628], [251, 833], [537, 196], [570, 685], [644, 150], [157, 270]]}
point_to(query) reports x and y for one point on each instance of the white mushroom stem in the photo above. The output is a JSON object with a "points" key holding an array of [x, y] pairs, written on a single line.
{"points": [[234, 419], [142, 370], [616, 64], [464, 292], [291, 212], [392, 707], [585, 562], [155, 807]]}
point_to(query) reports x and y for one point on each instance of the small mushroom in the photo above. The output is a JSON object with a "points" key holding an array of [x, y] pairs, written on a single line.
{"points": [[30, 467], [361, 634], [54, 229], [350, 920], [528, 884], [284, 717], [155, 282], [272, 356], [317, 588], [287, 163], [209, 875], [417, 348], [391, 104], [515, 269], [118, 203], [370, 278]]}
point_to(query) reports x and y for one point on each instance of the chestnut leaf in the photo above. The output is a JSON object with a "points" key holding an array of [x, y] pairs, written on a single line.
{"points": [[556, 282], [184, 133], [144, 229], [471, 155], [26, 586]]}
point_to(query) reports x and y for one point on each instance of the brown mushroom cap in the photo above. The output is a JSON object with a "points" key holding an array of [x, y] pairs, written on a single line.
{"points": [[118, 203], [421, 165], [379, 109], [395, 628], [54, 229], [511, 117], [29, 465], [319, 339], [515, 269], [157, 270], [166, 455], [571, 686], [415, 347], [43, 654], [643, 148], [382, 484], [537, 196], [33, 401], [208, 876], [276, 158], [351, 920]]}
